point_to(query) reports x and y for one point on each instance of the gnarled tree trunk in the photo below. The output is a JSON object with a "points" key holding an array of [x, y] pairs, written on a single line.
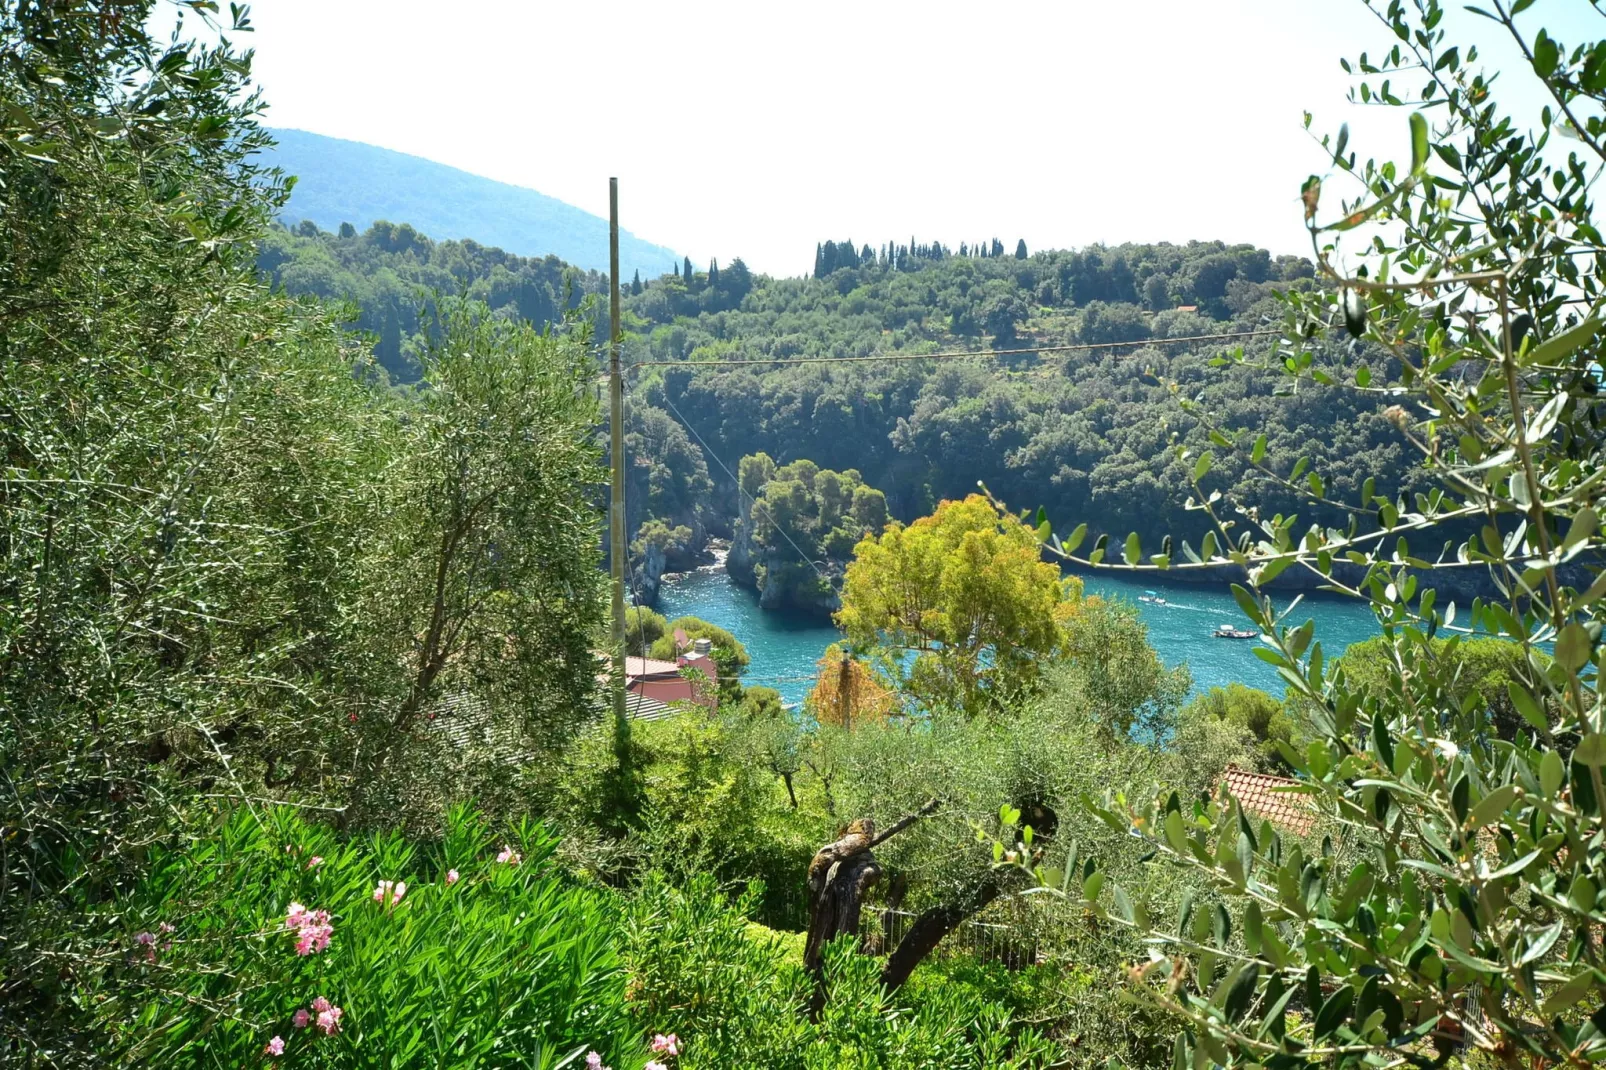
{"points": [[840, 876]]}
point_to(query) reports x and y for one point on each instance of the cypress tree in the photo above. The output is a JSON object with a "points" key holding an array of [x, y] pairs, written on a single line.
{"points": [[819, 261], [685, 272], [713, 273], [635, 283], [1020, 249]]}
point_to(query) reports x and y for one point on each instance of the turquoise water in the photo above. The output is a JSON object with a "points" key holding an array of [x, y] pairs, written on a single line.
{"points": [[784, 648]]}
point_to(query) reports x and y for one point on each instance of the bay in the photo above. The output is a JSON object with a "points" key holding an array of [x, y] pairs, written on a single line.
{"points": [[784, 647]]}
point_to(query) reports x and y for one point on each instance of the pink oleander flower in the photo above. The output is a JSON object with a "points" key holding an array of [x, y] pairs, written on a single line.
{"points": [[663, 1045], [301, 1018], [275, 1047], [329, 1019], [593, 1060], [312, 928], [148, 942], [389, 893], [509, 855], [315, 861], [452, 876], [320, 1005], [654, 1064], [167, 927]]}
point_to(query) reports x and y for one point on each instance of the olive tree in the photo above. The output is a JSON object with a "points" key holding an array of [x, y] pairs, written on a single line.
{"points": [[1461, 898]]}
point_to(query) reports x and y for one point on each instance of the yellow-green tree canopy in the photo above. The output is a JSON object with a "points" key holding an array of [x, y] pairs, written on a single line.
{"points": [[967, 590]]}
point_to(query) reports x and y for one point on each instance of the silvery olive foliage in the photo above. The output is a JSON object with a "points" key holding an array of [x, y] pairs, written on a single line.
{"points": [[1456, 903]]}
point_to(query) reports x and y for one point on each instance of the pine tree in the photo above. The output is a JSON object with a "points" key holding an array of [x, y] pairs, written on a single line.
{"points": [[347, 231], [1020, 249]]}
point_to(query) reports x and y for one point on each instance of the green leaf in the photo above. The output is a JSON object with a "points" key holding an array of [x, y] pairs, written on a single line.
{"points": [[1527, 706], [1591, 750], [1201, 467], [1093, 885], [1123, 904], [1569, 993], [1258, 454], [1492, 805], [1133, 551], [1546, 55], [1076, 538], [1551, 773], [1573, 647], [1334, 1012], [1541, 942], [1558, 347], [1419, 142]]}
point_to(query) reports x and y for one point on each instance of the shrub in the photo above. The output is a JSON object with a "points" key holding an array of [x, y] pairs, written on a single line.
{"points": [[738, 997], [478, 953]]}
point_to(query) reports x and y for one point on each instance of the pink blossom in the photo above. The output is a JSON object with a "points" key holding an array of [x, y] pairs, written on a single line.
{"points": [[329, 1019], [390, 893], [312, 928], [146, 938], [669, 1045], [352, 717], [320, 1005], [593, 1060], [451, 876], [300, 1018], [315, 861], [166, 927], [275, 1047], [654, 1064], [509, 855]]}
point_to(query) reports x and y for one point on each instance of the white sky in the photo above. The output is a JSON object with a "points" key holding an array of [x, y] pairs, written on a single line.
{"points": [[756, 129]]}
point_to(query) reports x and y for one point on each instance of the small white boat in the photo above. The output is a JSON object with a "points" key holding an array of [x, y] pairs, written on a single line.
{"points": [[1227, 631], [1152, 598]]}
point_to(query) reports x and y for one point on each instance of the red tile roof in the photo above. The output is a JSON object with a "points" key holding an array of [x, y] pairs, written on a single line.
{"points": [[1259, 794]]}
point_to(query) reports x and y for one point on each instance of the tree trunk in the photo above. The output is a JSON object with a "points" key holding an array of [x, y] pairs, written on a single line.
{"points": [[927, 932], [839, 877]]}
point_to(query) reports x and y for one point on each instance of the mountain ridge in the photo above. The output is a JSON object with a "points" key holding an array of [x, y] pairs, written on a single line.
{"points": [[343, 181]]}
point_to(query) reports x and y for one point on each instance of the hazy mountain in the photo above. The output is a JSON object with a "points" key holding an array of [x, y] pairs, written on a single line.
{"points": [[349, 182]]}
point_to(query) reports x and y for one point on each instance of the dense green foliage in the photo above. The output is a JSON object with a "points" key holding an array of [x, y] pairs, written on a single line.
{"points": [[966, 590], [465, 960], [230, 562], [394, 276], [797, 529], [341, 182], [1462, 905], [1086, 432]]}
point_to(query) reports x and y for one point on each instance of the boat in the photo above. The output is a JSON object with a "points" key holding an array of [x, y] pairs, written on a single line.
{"points": [[1152, 598], [1227, 631]]}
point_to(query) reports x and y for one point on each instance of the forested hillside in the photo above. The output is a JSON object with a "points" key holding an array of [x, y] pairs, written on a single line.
{"points": [[1089, 434]]}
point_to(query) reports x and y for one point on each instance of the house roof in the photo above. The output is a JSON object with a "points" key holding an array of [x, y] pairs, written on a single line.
{"points": [[1267, 797], [638, 667]]}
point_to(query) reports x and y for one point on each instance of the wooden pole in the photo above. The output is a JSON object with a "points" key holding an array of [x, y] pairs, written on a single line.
{"points": [[616, 450]]}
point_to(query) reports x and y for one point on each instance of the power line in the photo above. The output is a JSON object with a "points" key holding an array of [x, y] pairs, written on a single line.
{"points": [[959, 353], [710, 451]]}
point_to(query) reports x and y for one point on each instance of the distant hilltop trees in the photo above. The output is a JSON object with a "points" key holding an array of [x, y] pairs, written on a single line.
{"points": [[833, 256]]}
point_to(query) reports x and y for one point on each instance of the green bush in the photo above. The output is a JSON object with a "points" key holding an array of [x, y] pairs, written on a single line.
{"points": [[737, 997], [485, 960]]}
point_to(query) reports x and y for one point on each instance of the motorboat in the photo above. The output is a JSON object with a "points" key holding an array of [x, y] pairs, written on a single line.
{"points": [[1152, 598], [1227, 631]]}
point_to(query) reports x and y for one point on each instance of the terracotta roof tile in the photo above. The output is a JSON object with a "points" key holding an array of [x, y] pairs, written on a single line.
{"points": [[1259, 794]]}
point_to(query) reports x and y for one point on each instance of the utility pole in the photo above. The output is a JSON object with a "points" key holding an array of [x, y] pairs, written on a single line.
{"points": [[616, 450]]}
